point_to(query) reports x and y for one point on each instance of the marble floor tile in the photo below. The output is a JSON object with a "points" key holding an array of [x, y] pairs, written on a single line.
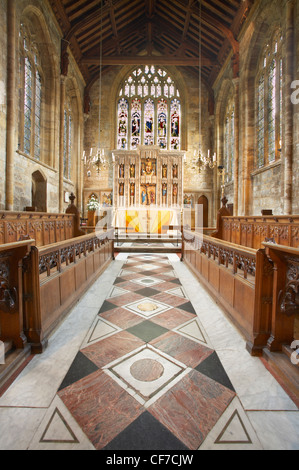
{"points": [[183, 349], [192, 407], [18, 426], [109, 349], [172, 318], [176, 377], [276, 430], [101, 407], [233, 431]]}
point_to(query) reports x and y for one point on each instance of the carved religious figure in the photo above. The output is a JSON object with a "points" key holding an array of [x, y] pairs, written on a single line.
{"points": [[121, 170], [164, 171], [132, 170], [175, 171], [143, 197], [121, 189]]}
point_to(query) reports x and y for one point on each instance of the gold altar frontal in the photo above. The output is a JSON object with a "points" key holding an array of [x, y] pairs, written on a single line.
{"points": [[147, 221]]}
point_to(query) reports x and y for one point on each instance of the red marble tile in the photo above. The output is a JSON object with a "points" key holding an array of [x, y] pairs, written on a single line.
{"points": [[183, 349], [122, 318], [172, 318], [109, 349], [125, 298], [165, 285], [192, 407], [169, 299], [101, 407]]}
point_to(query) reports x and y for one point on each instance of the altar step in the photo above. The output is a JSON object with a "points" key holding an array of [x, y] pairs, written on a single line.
{"points": [[147, 246]]}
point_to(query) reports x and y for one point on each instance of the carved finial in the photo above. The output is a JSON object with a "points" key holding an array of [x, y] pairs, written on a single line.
{"points": [[72, 198]]}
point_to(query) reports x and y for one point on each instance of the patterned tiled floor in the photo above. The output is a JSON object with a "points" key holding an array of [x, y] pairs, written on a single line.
{"points": [[146, 376], [146, 367]]}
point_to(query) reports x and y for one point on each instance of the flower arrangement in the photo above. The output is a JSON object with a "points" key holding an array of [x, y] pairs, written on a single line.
{"points": [[92, 204]]}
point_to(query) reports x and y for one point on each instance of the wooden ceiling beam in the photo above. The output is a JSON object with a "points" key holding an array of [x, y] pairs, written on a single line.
{"points": [[147, 60]]}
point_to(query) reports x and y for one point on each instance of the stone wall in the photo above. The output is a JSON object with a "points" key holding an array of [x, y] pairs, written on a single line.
{"points": [[264, 188], [3, 77], [48, 36]]}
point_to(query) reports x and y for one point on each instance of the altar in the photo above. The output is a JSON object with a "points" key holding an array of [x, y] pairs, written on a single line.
{"points": [[148, 188]]}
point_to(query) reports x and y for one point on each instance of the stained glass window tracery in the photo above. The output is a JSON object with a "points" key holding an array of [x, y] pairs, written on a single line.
{"points": [[150, 100]]}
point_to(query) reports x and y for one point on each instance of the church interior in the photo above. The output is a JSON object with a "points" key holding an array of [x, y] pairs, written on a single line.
{"points": [[149, 225]]}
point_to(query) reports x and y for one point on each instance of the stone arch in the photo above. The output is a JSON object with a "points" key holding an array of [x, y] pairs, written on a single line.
{"points": [[204, 202], [39, 191]]}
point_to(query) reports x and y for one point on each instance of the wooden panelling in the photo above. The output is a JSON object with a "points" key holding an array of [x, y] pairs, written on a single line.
{"points": [[253, 231], [226, 285], [44, 228], [213, 275]]}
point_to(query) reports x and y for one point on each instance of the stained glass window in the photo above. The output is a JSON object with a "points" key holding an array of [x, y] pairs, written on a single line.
{"points": [[30, 97], [269, 103], [175, 117], [229, 140], [67, 141], [38, 98], [261, 122], [271, 111], [28, 106], [162, 124], [149, 115], [123, 110], [149, 101], [135, 122]]}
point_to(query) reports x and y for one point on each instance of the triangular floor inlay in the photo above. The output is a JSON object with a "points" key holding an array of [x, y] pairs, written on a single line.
{"points": [[58, 430], [234, 432]]}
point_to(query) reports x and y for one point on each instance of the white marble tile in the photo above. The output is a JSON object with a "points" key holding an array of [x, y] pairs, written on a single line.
{"points": [[59, 431], [233, 431], [255, 386], [18, 426], [277, 430]]}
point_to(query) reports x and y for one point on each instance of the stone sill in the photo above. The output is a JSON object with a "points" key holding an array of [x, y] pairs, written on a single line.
{"points": [[37, 162], [266, 168]]}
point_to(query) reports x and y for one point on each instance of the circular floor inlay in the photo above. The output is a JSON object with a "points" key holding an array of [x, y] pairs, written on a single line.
{"points": [[147, 307], [146, 370]]}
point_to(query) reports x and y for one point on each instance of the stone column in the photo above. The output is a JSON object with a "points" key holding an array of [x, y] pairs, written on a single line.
{"points": [[61, 143], [288, 139], [11, 102], [236, 146]]}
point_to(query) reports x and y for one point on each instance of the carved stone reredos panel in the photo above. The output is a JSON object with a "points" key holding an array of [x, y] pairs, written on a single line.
{"points": [[148, 176]]}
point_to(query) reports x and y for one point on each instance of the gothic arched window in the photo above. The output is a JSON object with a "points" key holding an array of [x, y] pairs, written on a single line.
{"points": [[269, 99], [31, 86], [150, 101]]}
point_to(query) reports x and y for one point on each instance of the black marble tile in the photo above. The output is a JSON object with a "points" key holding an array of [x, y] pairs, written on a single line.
{"points": [[118, 280], [146, 433], [212, 367], [81, 367], [107, 306], [147, 331], [188, 307], [175, 281], [148, 292]]}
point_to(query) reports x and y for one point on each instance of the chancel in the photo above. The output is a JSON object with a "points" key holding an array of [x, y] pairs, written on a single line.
{"points": [[149, 227]]}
